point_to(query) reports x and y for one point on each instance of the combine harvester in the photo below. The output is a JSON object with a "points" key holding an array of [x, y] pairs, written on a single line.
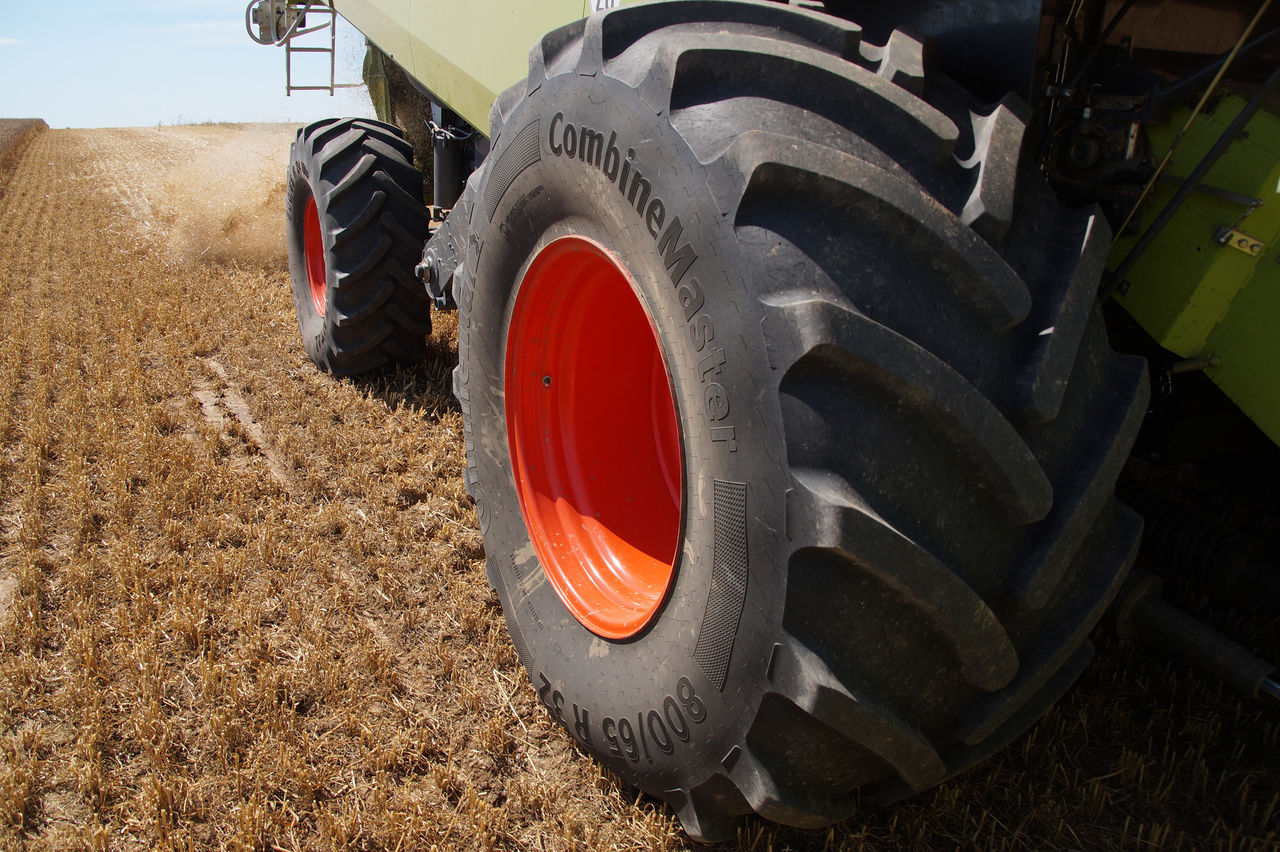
{"points": [[792, 420]]}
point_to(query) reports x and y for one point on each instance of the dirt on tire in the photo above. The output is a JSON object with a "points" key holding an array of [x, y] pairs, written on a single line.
{"points": [[243, 604]]}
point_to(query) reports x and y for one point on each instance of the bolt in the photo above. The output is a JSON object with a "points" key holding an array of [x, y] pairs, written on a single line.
{"points": [[429, 270], [546, 381]]}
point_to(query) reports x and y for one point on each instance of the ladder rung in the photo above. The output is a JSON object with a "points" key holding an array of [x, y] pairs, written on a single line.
{"points": [[309, 30], [290, 49]]}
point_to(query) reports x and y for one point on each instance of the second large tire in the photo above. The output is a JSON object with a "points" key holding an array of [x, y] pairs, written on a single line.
{"points": [[356, 226], [791, 419]]}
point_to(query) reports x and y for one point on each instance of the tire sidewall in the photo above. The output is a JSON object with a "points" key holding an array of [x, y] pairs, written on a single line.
{"points": [[315, 328], [730, 433]]}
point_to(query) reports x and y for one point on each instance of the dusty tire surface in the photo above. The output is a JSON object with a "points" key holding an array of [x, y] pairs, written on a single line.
{"points": [[900, 420], [356, 227]]}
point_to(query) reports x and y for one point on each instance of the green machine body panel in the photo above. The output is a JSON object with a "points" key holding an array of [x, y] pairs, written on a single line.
{"points": [[1209, 285], [465, 54]]}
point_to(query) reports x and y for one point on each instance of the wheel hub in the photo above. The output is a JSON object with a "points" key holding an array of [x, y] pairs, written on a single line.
{"points": [[594, 439], [313, 249]]}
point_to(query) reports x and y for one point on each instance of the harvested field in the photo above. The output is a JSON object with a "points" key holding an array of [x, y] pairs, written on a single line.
{"points": [[15, 135], [242, 604]]}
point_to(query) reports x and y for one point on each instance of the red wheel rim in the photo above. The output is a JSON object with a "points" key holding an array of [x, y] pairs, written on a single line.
{"points": [[313, 248], [594, 440]]}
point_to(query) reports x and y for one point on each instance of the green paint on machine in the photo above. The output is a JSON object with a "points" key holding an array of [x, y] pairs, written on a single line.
{"points": [[1197, 291]]}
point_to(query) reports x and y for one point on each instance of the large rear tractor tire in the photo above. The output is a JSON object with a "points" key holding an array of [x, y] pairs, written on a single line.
{"points": [[356, 228], [791, 419]]}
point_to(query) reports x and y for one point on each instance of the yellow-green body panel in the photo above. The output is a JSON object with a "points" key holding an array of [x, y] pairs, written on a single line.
{"points": [[465, 53], [1198, 298], [384, 22]]}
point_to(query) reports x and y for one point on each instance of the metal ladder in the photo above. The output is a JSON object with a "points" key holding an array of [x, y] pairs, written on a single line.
{"points": [[281, 22]]}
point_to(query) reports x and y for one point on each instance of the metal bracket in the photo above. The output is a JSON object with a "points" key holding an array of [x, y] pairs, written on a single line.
{"points": [[443, 252], [1231, 238], [1247, 201]]}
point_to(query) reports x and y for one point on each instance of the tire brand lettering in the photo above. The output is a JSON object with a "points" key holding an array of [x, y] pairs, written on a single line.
{"points": [[716, 402], [592, 146], [533, 612], [589, 145], [677, 260], [635, 736], [517, 210], [656, 215], [691, 299], [711, 363]]}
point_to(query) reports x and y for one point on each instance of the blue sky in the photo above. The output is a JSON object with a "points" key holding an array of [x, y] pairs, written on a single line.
{"points": [[145, 62]]}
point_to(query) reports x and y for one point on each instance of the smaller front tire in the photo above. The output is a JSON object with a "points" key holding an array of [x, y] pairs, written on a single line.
{"points": [[356, 228]]}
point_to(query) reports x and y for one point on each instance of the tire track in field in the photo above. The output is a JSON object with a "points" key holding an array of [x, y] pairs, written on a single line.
{"points": [[219, 400]]}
